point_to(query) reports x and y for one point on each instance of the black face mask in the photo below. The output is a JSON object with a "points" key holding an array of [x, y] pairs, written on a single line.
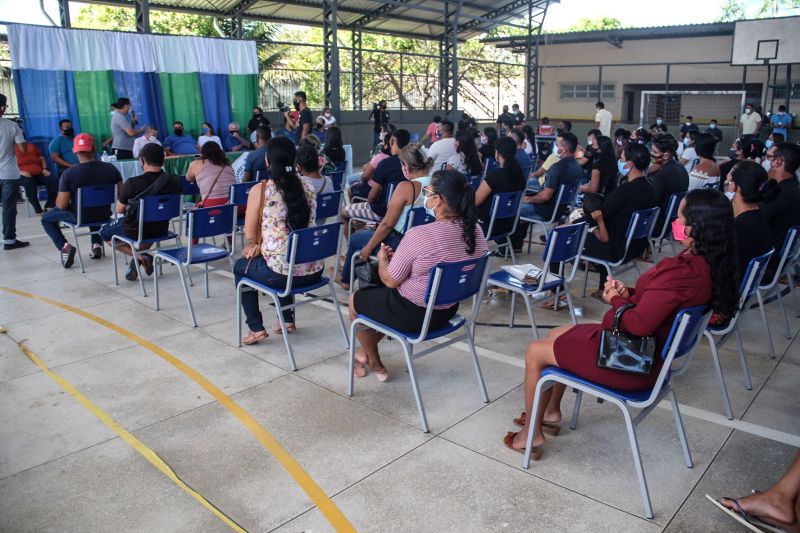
{"points": [[69, 132], [297, 105], [178, 131], [256, 115], [560, 130]]}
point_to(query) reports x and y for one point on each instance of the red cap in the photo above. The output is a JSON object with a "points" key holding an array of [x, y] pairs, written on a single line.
{"points": [[83, 142]]}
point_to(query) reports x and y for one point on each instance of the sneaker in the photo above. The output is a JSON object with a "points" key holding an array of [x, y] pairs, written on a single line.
{"points": [[97, 251], [16, 244], [131, 274], [67, 255]]}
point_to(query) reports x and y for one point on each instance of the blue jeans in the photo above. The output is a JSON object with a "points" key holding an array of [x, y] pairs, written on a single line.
{"points": [[360, 239], [9, 194], [51, 222], [258, 271]]}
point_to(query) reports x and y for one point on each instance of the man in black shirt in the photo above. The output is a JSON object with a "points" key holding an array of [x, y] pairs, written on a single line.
{"points": [[688, 126], [152, 160], [466, 122], [517, 115], [784, 211], [717, 133], [257, 120], [658, 126], [667, 176], [306, 122], [86, 173], [380, 118]]}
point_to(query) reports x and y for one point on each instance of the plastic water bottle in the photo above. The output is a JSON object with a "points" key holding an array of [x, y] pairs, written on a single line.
{"points": [[103, 157]]}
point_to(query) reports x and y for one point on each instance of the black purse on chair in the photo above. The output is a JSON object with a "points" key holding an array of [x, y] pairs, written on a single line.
{"points": [[623, 352]]}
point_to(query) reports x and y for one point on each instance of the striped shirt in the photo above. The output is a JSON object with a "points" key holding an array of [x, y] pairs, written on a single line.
{"points": [[424, 247]]}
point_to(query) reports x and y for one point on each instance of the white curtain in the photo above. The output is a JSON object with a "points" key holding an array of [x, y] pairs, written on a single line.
{"points": [[50, 48]]}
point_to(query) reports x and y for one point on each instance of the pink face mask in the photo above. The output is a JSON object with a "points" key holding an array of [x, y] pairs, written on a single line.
{"points": [[679, 231]]}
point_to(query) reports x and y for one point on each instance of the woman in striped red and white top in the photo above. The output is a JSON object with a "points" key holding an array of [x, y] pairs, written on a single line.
{"points": [[454, 236]]}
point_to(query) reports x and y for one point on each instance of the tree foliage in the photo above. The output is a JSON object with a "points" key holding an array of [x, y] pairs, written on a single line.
{"points": [[601, 23], [733, 10]]}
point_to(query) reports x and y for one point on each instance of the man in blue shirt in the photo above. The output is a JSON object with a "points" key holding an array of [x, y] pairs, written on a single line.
{"points": [[234, 142], [61, 146], [256, 166], [521, 156], [781, 122], [178, 142]]}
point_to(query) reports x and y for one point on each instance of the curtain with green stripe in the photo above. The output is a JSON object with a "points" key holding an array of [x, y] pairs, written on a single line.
{"points": [[94, 91], [243, 92], [182, 101]]}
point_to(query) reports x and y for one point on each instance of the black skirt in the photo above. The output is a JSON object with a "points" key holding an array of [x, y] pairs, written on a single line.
{"points": [[388, 307]]}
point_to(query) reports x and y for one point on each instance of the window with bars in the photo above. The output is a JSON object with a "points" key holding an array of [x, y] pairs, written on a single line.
{"points": [[586, 91]]}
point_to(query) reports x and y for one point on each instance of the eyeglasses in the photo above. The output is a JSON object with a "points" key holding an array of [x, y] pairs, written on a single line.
{"points": [[427, 191]]}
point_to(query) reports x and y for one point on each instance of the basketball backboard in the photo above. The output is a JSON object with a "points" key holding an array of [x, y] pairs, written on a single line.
{"points": [[768, 41]]}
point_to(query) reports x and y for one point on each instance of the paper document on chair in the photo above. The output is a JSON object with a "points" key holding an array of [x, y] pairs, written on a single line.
{"points": [[528, 273]]}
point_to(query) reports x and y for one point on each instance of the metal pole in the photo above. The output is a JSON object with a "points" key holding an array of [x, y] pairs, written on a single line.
{"points": [[63, 12], [498, 90], [358, 64], [399, 94], [600, 82], [788, 87], [142, 10]]}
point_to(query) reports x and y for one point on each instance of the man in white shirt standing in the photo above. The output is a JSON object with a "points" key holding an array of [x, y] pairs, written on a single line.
{"points": [[445, 148], [749, 123], [150, 136], [603, 119], [10, 135]]}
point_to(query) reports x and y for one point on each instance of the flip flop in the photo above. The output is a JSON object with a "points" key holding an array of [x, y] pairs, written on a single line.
{"points": [[547, 427], [549, 303], [257, 337], [289, 329], [508, 440], [751, 522]]}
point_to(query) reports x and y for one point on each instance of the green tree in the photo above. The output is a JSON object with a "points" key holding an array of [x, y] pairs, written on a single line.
{"points": [[602, 23], [732, 10]]}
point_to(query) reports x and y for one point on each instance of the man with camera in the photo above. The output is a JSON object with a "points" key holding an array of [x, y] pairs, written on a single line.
{"points": [[380, 116]]}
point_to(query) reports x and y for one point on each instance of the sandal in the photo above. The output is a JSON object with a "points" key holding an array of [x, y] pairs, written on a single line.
{"points": [[508, 440], [597, 295], [751, 522], [549, 304], [254, 337], [290, 328], [547, 427]]}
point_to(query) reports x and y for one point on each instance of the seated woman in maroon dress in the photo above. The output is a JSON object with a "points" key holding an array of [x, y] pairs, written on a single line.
{"points": [[703, 274]]}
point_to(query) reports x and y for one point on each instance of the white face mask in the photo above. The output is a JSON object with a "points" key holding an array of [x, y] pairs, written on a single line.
{"points": [[327, 115], [730, 195], [748, 111], [766, 164], [688, 123]]}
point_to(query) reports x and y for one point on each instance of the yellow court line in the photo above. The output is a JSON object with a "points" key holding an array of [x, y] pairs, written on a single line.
{"points": [[329, 509], [135, 443]]}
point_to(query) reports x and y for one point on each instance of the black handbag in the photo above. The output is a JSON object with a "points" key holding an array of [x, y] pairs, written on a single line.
{"points": [[367, 275], [131, 214], [623, 352]]}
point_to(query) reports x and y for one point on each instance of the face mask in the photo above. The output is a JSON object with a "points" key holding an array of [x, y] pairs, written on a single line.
{"points": [[178, 131], [589, 141], [679, 231], [780, 113], [256, 114], [766, 165], [730, 195], [712, 126], [748, 111], [559, 130], [69, 132], [659, 121], [111, 113], [621, 167], [484, 139], [619, 142], [557, 151], [688, 123], [297, 105], [686, 141], [732, 154], [327, 115], [769, 143], [205, 130], [429, 210]]}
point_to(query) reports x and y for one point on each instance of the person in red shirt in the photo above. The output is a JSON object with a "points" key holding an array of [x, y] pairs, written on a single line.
{"points": [[33, 172]]}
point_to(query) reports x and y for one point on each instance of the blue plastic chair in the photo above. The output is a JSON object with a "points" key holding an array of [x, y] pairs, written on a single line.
{"points": [[305, 246], [238, 196], [475, 181], [328, 205], [790, 257], [449, 283], [676, 356], [91, 196], [747, 290], [160, 208], [666, 230], [564, 245], [336, 178], [203, 223], [565, 199], [414, 137], [640, 226], [505, 205], [341, 166], [490, 164]]}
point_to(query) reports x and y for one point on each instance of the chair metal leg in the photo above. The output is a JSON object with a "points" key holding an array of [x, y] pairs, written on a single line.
{"points": [[585, 278], [139, 276], [530, 236], [286, 342], [531, 318], [513, 311], [407, 350], [726, 401], [338, 314], [687, 455], [186, 294], [576, 409], [537, 398], [205, 279], [571, 305], [114, 261], [352, 357], [78, 249], [238, 340], [511, 251], [475, 364], [743, 359], [786, 331], [766, 323], [637, 461], [155, 280]]}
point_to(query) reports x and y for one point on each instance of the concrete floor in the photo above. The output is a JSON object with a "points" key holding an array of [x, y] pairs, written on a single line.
{"points": [[61, 469]]}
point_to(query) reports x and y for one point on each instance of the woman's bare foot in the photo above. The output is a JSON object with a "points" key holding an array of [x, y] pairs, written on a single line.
{"points": [[521, 439], [380, 372], [772, 506], [552, 417], [359, 366]]}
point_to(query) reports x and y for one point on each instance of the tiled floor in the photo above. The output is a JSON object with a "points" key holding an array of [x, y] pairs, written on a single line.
{"points": [[61, 469]]}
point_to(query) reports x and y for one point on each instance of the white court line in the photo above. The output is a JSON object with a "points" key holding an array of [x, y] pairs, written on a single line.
{"points": [[688, 410]]}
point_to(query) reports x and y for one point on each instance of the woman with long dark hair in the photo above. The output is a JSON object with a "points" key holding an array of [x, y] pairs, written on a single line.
{"points": [[466, 159], [213, 174], [400, 304], [275, 208], [334, 149], [507, 178], [703, 274], [488, 139], [603, 178], [706, 173]]}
